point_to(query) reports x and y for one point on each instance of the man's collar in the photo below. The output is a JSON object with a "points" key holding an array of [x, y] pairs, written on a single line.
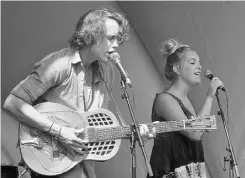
{"points": [[76, 57]]}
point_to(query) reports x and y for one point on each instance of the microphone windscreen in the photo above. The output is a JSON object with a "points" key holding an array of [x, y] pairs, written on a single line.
{"points": [[208, 74], [115, 57]]}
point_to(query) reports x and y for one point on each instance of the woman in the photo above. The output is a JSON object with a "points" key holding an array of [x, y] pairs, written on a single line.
{"points": [[175, 153]]}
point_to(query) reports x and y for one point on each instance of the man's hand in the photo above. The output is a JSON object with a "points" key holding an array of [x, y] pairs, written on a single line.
{"points": [[69, 138], [145, 133]]}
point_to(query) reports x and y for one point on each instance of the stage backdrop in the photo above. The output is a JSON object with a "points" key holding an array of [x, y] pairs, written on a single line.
{"points": [[31, 30], [216, 31]]}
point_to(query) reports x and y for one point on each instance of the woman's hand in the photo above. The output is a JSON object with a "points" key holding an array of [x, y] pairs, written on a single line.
{"points": [[70, 140], [214, 84]]}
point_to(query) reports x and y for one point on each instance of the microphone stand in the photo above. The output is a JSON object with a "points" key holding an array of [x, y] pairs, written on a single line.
{"points": [[135, 135], [232, 160]]}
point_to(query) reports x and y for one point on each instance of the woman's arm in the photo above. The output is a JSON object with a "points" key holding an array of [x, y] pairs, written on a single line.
{"points": [[207, 106]]}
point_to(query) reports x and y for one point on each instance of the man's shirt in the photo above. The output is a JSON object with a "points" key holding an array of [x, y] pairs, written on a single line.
{"points": [[60, 77]]}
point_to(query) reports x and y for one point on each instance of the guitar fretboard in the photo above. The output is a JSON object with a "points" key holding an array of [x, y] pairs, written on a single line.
{"points": [[120, 132]]}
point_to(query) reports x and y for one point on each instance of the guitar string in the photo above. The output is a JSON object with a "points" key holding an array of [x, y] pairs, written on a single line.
{"points": [[122, 131], [167, 126], [119, 129]]}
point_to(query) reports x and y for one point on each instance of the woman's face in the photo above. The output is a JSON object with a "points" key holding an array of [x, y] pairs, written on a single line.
{"points": [[190, 70]]}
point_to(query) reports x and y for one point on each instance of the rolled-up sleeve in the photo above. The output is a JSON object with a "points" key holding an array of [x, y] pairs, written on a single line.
{"points": [[47, 73]]}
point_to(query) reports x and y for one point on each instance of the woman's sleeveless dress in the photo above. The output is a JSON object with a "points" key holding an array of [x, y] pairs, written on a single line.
{"points": [[173, 150]]}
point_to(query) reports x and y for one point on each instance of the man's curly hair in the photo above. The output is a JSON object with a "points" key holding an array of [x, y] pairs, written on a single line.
{"points": [[91, 27]]}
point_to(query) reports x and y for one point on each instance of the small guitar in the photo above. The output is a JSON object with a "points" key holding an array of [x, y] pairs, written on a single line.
{"points": [[43, 154]]}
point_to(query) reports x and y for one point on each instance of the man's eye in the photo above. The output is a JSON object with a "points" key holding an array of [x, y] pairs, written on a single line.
{"points": [[113, 37]]}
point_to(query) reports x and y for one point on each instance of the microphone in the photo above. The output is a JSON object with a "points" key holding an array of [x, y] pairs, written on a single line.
{"points": [[208, 74], [114, 56]]}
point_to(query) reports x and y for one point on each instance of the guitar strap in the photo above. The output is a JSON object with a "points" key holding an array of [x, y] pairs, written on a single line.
{"points": [[101, 75], [86, 102]]}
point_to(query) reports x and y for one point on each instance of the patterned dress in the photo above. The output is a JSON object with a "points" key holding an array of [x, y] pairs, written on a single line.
{"points": [[173, 150]]}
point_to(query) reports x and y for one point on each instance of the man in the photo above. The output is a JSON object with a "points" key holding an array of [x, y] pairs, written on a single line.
{"points": [[76, 77]]}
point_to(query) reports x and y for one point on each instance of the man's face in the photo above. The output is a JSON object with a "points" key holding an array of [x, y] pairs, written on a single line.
{"points": [[108, 41]]}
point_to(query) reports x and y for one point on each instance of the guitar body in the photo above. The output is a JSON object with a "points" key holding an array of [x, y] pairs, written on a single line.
{"points": [[43, 154]]}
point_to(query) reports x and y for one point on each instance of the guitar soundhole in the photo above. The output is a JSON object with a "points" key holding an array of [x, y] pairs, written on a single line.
{"points": [[101, 148], [100, 119]]}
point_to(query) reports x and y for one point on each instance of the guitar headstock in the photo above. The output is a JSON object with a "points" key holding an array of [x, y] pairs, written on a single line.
{"points": [[201, 123]]}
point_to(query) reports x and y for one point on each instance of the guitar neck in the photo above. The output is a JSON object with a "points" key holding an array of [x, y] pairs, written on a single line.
{"points": [[121, 132], [169, 126]]}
